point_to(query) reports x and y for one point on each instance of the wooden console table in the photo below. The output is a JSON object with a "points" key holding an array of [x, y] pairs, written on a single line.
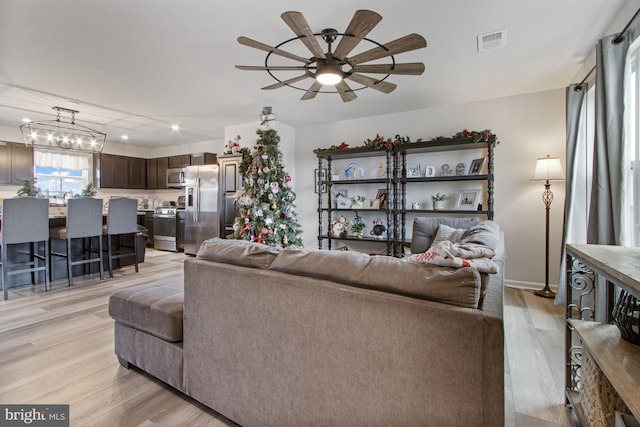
{"points": [[593, 272]]}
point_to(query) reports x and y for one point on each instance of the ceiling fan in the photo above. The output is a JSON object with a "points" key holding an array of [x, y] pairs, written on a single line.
{"points": [[334, 67]]}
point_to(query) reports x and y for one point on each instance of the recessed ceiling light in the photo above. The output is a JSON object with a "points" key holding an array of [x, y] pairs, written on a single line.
{"points": [[125, 137], [26, 120], [175, 127]]}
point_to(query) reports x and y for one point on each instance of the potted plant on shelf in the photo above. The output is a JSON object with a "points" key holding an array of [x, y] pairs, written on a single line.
{"points": [[357, 225], [357, 202], [439, 201]]}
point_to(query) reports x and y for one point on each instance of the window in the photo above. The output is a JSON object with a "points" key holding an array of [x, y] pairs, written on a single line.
{"points": [[631, 171], [61, 175]]}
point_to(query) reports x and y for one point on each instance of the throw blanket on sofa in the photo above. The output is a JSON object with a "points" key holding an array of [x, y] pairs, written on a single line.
{"points": [[448, 254]]}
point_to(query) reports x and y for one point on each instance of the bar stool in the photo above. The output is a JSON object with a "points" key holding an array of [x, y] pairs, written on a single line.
{"points": [[24, 220], [84, 221], [122, 218]]}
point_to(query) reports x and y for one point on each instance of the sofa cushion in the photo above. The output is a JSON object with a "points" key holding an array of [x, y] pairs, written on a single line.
{"points": [[383, 273], [486, 233], [447, 233], [238, 252], [425, 228], [153, 308]]}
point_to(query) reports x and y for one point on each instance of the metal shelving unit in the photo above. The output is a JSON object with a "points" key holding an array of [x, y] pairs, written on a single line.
{"points": [[396, 183]]}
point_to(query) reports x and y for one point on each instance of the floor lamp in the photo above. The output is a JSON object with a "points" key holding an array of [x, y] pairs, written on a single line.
{"points": [[547, 169]]}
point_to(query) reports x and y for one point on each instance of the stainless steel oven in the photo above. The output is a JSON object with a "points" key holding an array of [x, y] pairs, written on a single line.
{"points": [[165, 229], [176, 177]]}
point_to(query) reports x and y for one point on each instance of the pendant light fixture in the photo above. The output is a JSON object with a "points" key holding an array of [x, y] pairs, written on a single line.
{"points": [[61, 134]]}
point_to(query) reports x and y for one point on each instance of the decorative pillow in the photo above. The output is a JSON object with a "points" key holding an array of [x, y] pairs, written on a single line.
{"points": [[425, 228], [238, 252], [383, 273], [453, 235], [486, 233]]}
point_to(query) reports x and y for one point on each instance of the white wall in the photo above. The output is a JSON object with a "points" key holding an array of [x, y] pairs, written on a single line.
{"points": [[528, 126]]}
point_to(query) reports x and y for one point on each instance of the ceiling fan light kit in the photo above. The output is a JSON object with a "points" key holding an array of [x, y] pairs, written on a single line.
{"points": [[335, 67]]}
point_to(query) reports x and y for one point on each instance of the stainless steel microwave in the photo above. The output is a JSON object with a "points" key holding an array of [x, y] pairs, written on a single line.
{"points": [[176, 177]]}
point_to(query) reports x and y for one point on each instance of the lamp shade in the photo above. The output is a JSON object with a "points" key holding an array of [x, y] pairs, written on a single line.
{"points": [[548, 169]]}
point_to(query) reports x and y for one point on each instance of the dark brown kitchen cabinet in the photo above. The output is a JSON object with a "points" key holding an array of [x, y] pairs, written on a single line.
{"points": [[157, 173], [21, 162], [180, 161], [163, 165], [152, 174], [16, 162], [204, 159], [112, 171], [137, 173], [230, 183]]}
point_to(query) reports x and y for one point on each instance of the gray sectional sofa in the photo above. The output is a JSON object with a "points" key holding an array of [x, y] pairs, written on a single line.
{"points": [[302, 337]]}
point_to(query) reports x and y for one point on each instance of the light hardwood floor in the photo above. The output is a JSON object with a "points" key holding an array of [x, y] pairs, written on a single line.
{"points": [[57, 347]]}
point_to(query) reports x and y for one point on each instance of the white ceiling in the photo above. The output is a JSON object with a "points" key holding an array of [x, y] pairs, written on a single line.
{"points": [[138, 66]]}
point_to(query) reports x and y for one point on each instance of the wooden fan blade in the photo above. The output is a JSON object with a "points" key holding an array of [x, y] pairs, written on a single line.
{"points": [[256, 44], [285, 82], [361, 24], [312, 92], [403, 44], [270, 67], [301, 28], [345, 91], [412, 68], [381, 86]]}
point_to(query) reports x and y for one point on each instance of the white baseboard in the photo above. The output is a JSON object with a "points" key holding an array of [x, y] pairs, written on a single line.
{"points": [[535, 286]]}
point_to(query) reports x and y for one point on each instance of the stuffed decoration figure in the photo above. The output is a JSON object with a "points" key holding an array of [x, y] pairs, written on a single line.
{"points": [[338, 227], [378, 229]]}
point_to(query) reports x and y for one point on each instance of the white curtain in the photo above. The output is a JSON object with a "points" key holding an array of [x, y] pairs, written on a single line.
{"points": [[61, 160]]}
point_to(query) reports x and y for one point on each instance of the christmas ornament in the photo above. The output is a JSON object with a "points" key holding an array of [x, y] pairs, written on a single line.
{"points": [[275, 187]]}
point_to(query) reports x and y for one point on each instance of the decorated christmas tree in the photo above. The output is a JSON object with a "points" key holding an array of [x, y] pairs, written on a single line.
{"points": [[267, 212]]}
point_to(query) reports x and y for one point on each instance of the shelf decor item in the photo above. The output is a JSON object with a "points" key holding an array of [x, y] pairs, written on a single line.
{"points": [[382, 196], [547, 169], [338, 228], [341, 199], [413, 170], [354, 171], [429, 171], [468, 200], [358, 202], [476, 166], [378, 229], [357, 226], [439, 201]]}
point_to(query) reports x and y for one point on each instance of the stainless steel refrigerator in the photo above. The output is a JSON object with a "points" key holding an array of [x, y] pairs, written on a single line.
{"points": [[201, 206]]}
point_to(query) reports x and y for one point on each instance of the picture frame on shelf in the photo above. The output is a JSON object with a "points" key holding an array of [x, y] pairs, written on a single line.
{"points": [[468, 200], [476, 166], [382, 196], [374, 204], [341, 199], [429, 171], [413, 170], [319, 179]]}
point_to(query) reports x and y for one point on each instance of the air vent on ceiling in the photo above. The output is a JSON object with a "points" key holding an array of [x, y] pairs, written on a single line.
{"points": [[492, 40]]}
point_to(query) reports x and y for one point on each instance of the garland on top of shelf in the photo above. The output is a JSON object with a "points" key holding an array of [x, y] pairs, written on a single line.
{"points": [[382, 143]]}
